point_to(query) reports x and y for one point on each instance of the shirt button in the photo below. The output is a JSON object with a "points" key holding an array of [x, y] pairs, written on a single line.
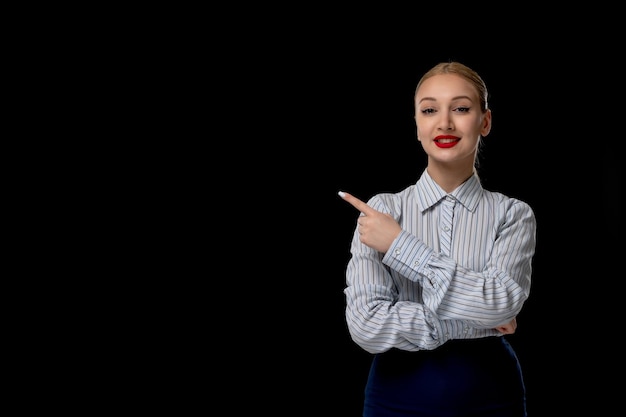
{"points": [[397, 251]]}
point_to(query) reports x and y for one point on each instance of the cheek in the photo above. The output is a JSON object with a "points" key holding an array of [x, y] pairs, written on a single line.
{"points": [[424, 130], [422, 125], [425, 121], [469, 126]]}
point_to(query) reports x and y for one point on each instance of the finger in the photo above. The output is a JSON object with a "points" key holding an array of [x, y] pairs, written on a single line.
{"points": [[356, 203]]}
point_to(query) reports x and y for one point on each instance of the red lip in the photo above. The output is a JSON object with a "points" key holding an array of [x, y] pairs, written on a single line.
{"points": [[446, 144]]}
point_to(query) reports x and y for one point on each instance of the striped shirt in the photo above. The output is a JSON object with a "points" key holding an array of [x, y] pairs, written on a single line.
{"points": [[423, 292]]}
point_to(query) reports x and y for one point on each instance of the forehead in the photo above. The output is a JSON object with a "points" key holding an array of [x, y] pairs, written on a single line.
{"points": [[444, 86]]}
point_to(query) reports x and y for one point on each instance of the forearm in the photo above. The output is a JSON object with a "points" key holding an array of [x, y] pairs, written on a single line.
{"points": [[483, 299], [377, 323]]}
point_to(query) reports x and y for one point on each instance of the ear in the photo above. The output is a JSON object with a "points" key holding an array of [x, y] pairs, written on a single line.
{"points": [[486, 124]]}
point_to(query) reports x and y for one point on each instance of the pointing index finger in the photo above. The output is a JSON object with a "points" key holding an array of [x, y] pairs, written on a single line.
{"points": [[356, 203]]}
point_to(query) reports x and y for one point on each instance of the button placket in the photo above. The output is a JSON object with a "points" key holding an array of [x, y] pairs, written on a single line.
{"points": [[445, 224]]}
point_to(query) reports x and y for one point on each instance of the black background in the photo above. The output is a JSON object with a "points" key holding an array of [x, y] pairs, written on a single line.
{"points": [[318, 114], [246, 124]]}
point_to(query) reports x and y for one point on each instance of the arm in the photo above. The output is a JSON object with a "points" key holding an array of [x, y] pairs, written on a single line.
{"points": [[484, 298], [377, 317]]}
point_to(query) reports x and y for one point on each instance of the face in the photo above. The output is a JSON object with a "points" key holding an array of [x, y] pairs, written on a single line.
{"points": [[449, 120]]}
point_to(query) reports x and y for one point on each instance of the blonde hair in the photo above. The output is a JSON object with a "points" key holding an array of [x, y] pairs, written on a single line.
{"points": [[463, 71]]}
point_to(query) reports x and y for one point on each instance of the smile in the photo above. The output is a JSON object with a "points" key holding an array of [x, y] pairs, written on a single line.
{"points": [[446, 142]]}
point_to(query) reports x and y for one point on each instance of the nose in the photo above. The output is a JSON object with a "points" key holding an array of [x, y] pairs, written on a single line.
{"points": [[445, 123]]}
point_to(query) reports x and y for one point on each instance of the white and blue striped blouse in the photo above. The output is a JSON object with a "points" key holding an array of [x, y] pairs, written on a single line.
{"points": [[460, 267]]}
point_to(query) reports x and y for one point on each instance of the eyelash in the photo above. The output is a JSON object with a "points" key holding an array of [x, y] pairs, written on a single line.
{"points": [[458, 109]]}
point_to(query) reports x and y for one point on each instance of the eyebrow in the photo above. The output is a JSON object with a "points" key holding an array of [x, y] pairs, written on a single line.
{"points": [[453, 98]]}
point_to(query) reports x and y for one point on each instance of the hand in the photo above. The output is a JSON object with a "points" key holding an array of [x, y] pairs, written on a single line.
{"points": [[376, 230], [508, 328]]}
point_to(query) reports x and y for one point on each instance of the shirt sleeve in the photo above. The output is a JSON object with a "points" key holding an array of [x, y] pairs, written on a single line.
{"points": [[483, 299], [376, 319], [449, 300]]}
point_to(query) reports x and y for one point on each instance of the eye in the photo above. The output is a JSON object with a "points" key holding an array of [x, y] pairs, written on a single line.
{"points": [[428, 111], [462, 109]]}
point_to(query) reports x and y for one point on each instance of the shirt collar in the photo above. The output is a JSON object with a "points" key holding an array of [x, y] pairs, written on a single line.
{"points": [[430, 193]]}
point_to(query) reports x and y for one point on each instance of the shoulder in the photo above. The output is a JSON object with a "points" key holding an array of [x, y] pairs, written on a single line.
{"points": [[507, 205], [392, 203]]}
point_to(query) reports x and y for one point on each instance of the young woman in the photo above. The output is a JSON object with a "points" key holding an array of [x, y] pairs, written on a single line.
{"points": [[439, 271]]}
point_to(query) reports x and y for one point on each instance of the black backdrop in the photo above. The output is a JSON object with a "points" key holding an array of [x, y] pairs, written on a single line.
{"points": [[260, 119], [336, 114], [350, 127]]}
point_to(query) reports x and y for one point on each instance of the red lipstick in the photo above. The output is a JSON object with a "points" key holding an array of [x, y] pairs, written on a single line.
{"points": [[446, 141]]}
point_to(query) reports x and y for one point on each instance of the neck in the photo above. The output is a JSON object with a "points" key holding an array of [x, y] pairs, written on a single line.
{"points": [[448, 177]]}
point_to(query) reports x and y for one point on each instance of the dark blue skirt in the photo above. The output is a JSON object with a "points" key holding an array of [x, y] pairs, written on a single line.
{"points": [[477, 377]]}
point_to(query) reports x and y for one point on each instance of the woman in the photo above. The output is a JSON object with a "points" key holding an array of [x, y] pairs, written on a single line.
{"points": [[439, 271]]}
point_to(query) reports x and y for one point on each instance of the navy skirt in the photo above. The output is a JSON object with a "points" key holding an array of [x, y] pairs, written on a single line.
{"points": [[462, 378]]}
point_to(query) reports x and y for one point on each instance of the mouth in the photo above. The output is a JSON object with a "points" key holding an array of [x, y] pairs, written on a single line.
{"points": [[446, 141]]}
